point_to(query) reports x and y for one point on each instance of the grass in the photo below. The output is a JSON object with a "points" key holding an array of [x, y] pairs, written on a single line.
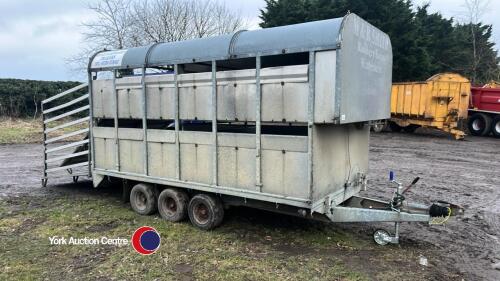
{"points": [[267, 247], [20, 130], [27, 130], [185, 252]]}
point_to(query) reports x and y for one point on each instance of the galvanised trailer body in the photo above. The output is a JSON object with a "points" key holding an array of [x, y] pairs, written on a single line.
{"points": [[340, 78], [273, 118]]}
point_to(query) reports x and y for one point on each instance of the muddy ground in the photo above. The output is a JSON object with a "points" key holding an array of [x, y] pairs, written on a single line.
{"points": [[463, 172]]}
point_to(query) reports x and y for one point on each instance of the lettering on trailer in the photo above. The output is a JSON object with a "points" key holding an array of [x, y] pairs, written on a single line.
{"points": [[373, 45], [108, 59]]}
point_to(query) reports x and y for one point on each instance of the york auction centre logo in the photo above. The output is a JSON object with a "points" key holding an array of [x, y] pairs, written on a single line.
{"points": [[146, 240]]}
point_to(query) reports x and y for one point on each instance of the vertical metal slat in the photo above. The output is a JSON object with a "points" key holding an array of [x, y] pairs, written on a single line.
{"points": [[91, 126], [117, 142], [310, 122], [258, 100], [44, 179], [177, 125], [144, 122], [214, 123]]}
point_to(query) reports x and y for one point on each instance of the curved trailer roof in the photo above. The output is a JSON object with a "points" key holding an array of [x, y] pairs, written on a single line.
{"points": [[363, 60], [304, 37]]}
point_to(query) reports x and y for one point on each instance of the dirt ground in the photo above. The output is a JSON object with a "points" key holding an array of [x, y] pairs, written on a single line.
{"points": [[466, 173], [462, 172]]}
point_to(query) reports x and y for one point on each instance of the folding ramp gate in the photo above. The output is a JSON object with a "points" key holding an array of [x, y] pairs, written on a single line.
{"points": [[65, 134]]}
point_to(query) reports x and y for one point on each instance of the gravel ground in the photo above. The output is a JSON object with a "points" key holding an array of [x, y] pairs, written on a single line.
{"points": [[462, 172]]}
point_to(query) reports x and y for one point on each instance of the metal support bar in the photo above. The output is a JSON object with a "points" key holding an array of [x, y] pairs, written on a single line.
{"points": [[82, 131], [64, 105], [67, 156], [214, 123], [44, 179], [144, 122], [65, 93], [258, 100], [80, 109], [115, 123], [347, 214], [310, 123], [177, 124], [68, 167], [91, 115], [65, 125], [91, 158], [73, 144], [396, 231], [338, 86]]}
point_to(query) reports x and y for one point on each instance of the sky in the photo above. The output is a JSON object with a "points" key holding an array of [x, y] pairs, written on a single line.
{"points": [[38, 36]]}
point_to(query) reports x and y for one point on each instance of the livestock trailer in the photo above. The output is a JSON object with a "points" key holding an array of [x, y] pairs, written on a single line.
{"points": [[274, 118]]}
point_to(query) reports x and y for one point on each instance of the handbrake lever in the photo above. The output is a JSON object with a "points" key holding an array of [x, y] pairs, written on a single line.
{"points": [[414, 182]]}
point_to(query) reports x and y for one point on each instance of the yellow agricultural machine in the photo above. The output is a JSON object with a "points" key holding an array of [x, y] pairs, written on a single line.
{"points": [[441, 103]]}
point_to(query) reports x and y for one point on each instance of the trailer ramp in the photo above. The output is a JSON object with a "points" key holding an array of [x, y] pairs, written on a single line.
{"points": [[66, 120]]}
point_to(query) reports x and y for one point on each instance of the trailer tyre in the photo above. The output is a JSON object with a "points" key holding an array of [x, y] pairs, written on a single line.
{"points": [[143, 199], [411, 128], [495, 126], [205, 211], [378, 127], [479, 124], [173, 205], [394, 127], [381, 237]]}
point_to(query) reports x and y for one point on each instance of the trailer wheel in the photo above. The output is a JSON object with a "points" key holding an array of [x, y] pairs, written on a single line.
{"points": [[378, 127], [205, 211], [381, 237], [479, 124], [143, 199], [495, 126], [394, 127], [173, 205], [411, 128]]}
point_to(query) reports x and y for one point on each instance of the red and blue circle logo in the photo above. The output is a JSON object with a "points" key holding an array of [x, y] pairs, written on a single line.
{"points": [[146, 240]]}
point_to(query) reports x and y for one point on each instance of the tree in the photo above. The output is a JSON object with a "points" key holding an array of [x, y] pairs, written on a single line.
{"points": [[284, 12], [130, 23], [111, 29], [21, 98], [394, 17], [474, 12], [123, 24], [174, 20], [477, 59], [438, 39], [423, 43]]}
